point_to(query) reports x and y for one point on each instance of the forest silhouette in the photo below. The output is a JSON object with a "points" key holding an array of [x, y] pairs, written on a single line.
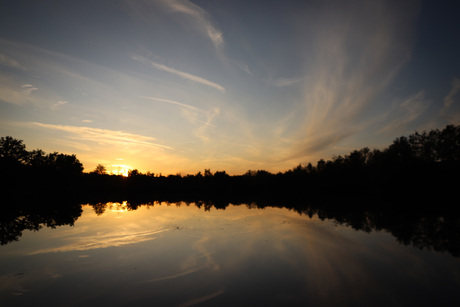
{"points": [[421, 167], [408, 189]]}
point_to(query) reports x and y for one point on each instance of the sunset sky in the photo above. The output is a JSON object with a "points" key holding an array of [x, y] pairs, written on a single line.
{"points": [[179, 86]]}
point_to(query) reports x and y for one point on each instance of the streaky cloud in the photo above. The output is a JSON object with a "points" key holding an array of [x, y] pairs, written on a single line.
{"points": [[28, 88], [17, 94], [202, 118], [449, 99], [451, 107], [58, 104], [242, 66], [179, 73], [285, 82], [199, 17], [349, 64], [193, 115], [180, 104], [104, 135], [10, 62], [405, 111]]}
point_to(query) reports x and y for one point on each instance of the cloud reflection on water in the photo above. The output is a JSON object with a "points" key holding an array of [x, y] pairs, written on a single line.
{"points": [[184, 255], [102, 241]]}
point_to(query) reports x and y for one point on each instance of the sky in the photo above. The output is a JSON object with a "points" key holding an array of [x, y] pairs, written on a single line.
{"points": [[179, 86]]}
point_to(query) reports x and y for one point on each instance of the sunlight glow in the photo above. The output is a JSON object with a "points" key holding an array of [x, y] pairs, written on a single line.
{"points": [[208, 90], [118, 207], [122, 170]]}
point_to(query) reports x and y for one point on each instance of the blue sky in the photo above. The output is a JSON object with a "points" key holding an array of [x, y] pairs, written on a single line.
{"points": [[179, 86]]}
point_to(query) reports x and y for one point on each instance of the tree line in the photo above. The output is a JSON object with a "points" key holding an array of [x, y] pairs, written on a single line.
{"points": [[420, 165], [15, 157]]}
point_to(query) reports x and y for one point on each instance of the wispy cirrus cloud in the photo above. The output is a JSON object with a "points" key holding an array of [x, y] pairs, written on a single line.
{"points": [[173, 102], [179, 73], [28, 94], [184, 12], [455, 89], [58, 104], [451, 107], [28, 88], [198, 17], [405, 111], [349, 64], [195, 115], [285, 82], [10, 62], [104, 136], [190, 16], [19, 94]]}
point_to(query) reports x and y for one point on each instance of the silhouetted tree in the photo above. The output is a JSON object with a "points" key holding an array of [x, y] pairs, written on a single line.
{"points": [[133, 173], [66, 164], [426, 162], [13, 151], [321, 165], [220, 174], [38, 159], [250, 173], [52, 213], [100, 170], [99, 208]]}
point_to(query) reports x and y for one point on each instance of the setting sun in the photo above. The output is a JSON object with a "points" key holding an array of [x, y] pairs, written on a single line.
{"points": [[122, 170], [280, 152]]}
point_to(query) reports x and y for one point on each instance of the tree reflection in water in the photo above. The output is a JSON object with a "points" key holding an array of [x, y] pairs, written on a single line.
{"points": [[431, 229], [16, 218]]}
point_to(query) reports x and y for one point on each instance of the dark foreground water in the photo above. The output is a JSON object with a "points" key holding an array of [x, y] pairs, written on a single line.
{"points": [[170, 255]]}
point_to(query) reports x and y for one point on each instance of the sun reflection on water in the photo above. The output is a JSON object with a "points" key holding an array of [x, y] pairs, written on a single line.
{"points": [[117, 207]]}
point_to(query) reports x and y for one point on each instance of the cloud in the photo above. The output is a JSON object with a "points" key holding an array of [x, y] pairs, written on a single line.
{"points": [[449, 99], [451, 108], [28, 94], [58, 104], [179, 73], [285, 82], [9, 62], [350, 61], [243, 66], [405, 111], [28, 88], [198, 17], [184, 12], [105, 136], [201, 130], [190, 16], [194, 115], [180, 104], [14, 93]]}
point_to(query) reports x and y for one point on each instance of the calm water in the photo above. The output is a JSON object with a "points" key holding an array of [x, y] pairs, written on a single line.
{"points": [[171, 255]]}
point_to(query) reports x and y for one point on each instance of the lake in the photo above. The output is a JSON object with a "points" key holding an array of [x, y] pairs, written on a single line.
{"points": [[197, 254]]}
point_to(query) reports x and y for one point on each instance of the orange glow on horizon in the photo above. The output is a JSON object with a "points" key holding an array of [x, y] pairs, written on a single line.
{"points": [[122, 170]]}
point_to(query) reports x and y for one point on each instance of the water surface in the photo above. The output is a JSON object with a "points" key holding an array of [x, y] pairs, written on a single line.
{"points": [[184, 255]]}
